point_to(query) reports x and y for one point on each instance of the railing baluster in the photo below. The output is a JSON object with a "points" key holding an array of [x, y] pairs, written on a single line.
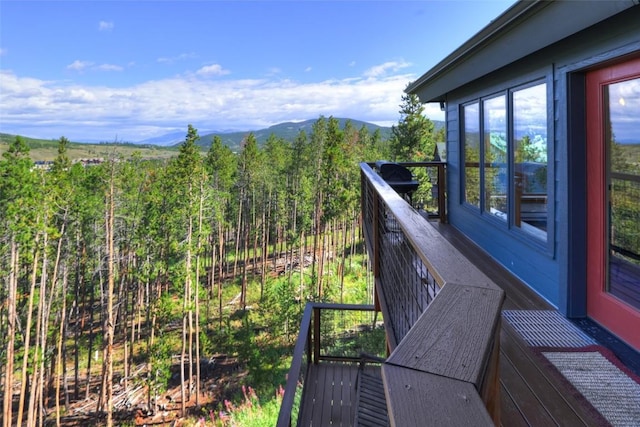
{"points": [[316, 335]]}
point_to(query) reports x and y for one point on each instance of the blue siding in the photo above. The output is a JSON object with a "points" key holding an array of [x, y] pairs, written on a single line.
{"points": [[557, 270]]}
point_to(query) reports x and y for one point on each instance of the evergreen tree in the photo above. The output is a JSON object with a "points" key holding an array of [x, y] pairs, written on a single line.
{"points": [[187, 172], [17, 219], [412, 139]]}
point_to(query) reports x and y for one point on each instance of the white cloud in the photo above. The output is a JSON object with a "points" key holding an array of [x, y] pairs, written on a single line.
{"points": [[212, 70], [308, 69], [78, 65], [273, 71], [109, 67], [382, 69], [177, 58], [49, 109], [105, 26]]}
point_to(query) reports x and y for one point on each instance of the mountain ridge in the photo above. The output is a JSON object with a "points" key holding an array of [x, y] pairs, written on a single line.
{"points": [[233, 139]]}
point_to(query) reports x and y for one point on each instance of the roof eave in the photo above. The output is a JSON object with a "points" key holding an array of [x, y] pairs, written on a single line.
{"points": [[490, 49]]}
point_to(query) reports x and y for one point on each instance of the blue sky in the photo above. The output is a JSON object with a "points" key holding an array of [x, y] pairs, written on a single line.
{"points": [[131, 70]]}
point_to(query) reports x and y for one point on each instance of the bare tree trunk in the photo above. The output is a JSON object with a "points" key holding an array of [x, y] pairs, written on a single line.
{"points": [[254, 226], [110, 321], [294, 215], [92, 297], [59, 367], [27, 337], [220, 270], [239, 229], [11, 328], [197, 290], [187, 320], [265, 245], [35, 393], [301, 265]]}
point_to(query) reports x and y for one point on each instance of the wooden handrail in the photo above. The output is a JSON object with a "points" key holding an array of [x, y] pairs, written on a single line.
{"points": [[457, 335], [437, 253]]}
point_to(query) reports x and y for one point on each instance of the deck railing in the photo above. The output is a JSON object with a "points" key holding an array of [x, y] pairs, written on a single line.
{"points": [[330, 333], [389, 225], [441, 319], [412, 263], [433, 201]]}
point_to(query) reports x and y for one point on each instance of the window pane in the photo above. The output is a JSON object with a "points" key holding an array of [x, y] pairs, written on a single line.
{"points": [[623, 131], [495, 156], [471, 117], [530, 159]]}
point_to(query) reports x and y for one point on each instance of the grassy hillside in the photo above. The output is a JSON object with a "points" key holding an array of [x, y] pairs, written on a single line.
{"points": [[46, 150]]}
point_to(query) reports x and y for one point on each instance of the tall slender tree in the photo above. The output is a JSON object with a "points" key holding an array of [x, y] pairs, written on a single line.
{"points": [[17, 217]]}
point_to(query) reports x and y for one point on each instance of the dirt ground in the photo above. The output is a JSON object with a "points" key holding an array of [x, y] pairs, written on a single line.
{"points": [[221, 378]]}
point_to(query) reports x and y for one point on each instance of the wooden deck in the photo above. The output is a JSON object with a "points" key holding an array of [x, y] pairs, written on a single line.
{"points": [[331, 395], [530, 394]]}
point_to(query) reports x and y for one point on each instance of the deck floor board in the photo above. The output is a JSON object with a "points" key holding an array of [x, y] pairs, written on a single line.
{"points": [[530, 394]]}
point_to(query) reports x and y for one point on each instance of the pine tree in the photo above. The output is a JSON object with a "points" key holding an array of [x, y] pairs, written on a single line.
{"points": [[412, 139], [187, 168], [221, 164], [17, 219], [247, 183]]}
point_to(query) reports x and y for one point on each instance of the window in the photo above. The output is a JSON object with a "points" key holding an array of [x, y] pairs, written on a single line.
{"points": [[494, 113], [511, 185], [471, 131]]}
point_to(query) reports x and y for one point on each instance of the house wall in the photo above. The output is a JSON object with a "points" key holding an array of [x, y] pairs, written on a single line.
{"points": [[556, 268]]}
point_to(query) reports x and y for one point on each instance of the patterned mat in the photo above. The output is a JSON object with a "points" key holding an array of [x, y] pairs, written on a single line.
{"points": [[593, 371], [597, 375]]}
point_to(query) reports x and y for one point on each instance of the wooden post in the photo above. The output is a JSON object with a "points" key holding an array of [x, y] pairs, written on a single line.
{"points": [[442, 191]]}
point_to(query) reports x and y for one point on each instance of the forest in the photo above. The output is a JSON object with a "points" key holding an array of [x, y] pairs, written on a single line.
{"points": [[149, 291]]}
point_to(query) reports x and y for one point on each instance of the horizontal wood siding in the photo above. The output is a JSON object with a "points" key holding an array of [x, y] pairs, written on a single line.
{"points": [[555, 272]]}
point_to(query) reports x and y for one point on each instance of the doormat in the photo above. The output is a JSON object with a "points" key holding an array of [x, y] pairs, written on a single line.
{"points": [[546, 328], [595, 374]]}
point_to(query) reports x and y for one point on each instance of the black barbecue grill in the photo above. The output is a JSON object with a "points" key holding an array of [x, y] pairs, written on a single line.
{"points": [[398, 177]]}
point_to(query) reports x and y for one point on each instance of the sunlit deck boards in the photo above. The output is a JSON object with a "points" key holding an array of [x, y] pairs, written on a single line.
{"points": [[330, 395]]}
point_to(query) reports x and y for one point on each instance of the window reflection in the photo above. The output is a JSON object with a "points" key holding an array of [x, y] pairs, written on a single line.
{"points": [[495, 157], [623, 137], [530, 158], [507, 136], [471, 117]]}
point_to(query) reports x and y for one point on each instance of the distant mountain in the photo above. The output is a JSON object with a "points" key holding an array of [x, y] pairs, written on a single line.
{"points": [[166, 140], [233, 139], [288, 131]]}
